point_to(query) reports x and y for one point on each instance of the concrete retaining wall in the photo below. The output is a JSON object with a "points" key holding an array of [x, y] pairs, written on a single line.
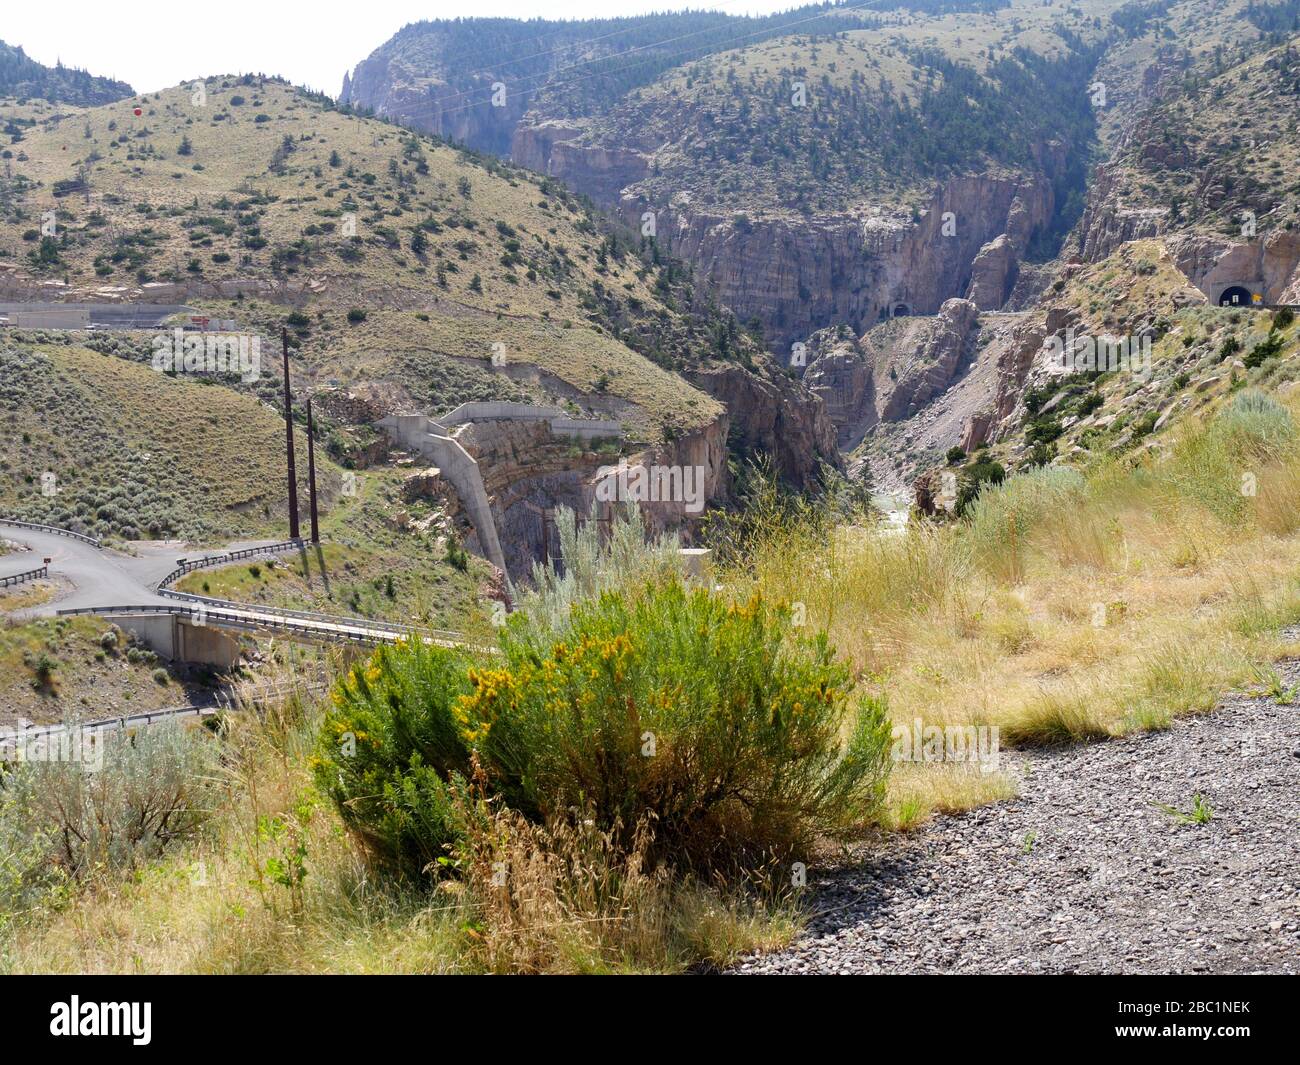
{"points": [[561, 423], [430, 440]]}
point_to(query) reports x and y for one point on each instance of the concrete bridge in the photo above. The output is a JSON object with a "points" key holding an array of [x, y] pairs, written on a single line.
{"points": [[176, 625]]}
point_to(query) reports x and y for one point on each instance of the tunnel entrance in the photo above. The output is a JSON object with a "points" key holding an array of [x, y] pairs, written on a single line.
{"points": [[901, 310], [1236, 296]]}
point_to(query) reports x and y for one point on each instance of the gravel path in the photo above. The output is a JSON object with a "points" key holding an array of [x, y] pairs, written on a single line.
{"points": [[1082, 873]]}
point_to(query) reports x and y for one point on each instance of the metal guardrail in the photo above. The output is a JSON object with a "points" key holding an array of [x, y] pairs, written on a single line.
{"points": [[28, 575], [92, 541], [334, 630], [308, 615], [226, 557], [153, 717]]}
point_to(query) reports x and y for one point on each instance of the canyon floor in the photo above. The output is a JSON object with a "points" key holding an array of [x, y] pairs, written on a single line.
{"points": [[1087, 871]]}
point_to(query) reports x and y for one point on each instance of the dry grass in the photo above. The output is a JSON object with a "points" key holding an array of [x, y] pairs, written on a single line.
{"points": [[1069, 610], [565, 901]]}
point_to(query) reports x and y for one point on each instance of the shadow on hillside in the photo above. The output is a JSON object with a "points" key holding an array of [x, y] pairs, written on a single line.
{"points": [[320, 570]]}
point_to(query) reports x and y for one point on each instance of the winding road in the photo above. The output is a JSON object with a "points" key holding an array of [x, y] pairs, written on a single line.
{"points": [[110, 582]]}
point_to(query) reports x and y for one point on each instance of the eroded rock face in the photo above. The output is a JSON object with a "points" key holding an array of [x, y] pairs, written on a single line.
{"points": [[528, 473], [923, 359], [993, 274], [840, 375], [798, 275], [776, 415], [1108, 221], [600, 171], [892, 372], [1015, 357], [1271, 261], [385, 84]]}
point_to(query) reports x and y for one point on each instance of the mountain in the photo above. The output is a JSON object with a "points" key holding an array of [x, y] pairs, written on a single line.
{"points": [[845, 164], [23, 77], [805, 167], [412, 276]]}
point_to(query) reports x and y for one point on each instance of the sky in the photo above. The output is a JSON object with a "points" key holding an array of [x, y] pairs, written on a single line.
{"points": [[154, 44]]}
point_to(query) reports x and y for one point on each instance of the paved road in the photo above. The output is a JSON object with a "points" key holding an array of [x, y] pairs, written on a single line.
{"points": [[104, 580], [100, 577], [107, 315]]}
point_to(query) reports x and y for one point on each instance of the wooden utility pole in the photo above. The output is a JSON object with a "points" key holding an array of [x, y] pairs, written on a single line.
{"points": [[288, 433], [311, 473]]}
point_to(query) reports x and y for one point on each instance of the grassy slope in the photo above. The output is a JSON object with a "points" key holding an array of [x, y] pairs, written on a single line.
{"points": [[139, 454], [1200, 357], [691, 108], [363, 547], [86, 682], [229, 210], [1227, 147], [171, 457]]}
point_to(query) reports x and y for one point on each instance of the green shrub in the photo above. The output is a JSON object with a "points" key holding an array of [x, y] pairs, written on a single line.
{"points": [[1268, 348], [984, 471], [391, 753], [719, 727], [119, 802]]}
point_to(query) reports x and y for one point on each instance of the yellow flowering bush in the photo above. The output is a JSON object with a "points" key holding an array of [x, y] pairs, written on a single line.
{"points": [[722, 726]]}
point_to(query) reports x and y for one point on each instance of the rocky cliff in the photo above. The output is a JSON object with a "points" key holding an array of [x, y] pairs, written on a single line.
{"points": [[798, 275], [775, 415], [891, 372]]}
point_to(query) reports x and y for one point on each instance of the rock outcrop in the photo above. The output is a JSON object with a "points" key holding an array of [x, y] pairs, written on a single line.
{"points": [[841, 376], [1109, 222], [993, 274], [925, 359], [1211, 263], [775, 415], [798, 275]]}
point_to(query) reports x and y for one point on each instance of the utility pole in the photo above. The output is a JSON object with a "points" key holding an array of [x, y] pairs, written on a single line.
{"points": [[311, 473], [288, 433]]}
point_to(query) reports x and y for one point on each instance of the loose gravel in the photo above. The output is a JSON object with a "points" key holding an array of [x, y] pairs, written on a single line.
{"points": [[1083, 872]]}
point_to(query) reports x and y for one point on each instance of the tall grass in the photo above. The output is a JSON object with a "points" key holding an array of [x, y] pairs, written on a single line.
{"points": [[1068, 604]]}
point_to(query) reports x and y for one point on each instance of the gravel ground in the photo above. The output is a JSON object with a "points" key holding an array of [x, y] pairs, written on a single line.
{"points": [[1083, 873]]}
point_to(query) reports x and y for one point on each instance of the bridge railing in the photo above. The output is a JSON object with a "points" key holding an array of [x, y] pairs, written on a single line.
{"points": [[251, 619], [27, 575], [226, 557], [92, 541], [152, 717], [307, 615]]}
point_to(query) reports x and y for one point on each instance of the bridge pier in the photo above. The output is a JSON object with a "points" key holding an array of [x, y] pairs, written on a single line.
{"points": [[176, 638]]}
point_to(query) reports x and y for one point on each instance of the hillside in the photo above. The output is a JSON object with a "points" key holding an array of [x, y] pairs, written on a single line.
{"points": [[23, 77], [262, 192], [861, 161], [97, 442]]}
